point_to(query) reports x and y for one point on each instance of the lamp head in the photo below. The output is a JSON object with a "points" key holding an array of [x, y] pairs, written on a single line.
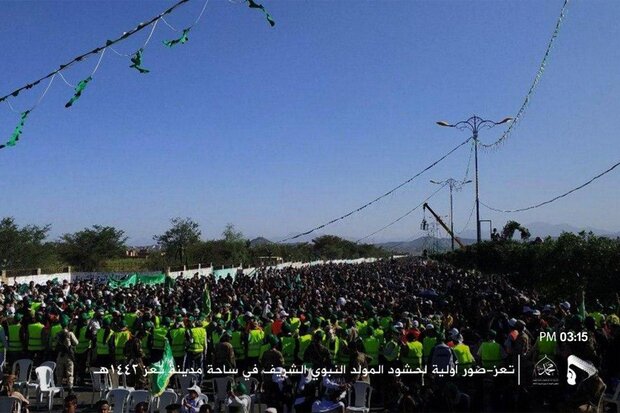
{"points": [[443, 123], [505, 120]]}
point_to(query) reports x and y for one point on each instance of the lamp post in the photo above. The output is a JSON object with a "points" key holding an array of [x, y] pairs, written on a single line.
{"points": [[474, 124], [453, 184]]}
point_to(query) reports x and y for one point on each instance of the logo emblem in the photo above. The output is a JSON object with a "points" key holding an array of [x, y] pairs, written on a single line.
{"points": [[546, 373]]}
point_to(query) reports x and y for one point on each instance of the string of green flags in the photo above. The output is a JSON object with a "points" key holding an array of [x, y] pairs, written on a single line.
{"points": [[135, 58]]}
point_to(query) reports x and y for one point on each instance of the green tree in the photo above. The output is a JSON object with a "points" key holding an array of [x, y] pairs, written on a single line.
{"points": [[24, 247], [175, 241], [90, 248], [230, 234]]}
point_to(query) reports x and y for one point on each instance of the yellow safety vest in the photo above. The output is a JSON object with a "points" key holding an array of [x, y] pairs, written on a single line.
{"points": [[54, 330], [235, 341], [414, 354], [304, 343], [102, 344], [177, 345], [199, 337], [371, 347], [15, 343], [83, 342], [159, 337], [464, 356], [428, 343], [391, 350], [288, 350], [334, 347], [255, 341], [35, 341], [120, 339], [491, 354]]}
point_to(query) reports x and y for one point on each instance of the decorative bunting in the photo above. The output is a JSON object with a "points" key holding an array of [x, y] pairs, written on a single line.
{"points": [[137, 62], [181, 39], [78, 91], [18, 130], [254, 5]]}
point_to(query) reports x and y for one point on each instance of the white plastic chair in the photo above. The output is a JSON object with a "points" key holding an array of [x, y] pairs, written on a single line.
{"points": [[185, 381], [361, 402], [50, 364], [22, 368], [135, 397], [7, 404], [160, 402], [45, 386], [118, 399], [101, 382], [612, 398]]}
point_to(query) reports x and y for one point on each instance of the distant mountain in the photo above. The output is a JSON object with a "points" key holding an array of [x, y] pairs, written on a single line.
{"points": [[259, 241], [417, 246]]}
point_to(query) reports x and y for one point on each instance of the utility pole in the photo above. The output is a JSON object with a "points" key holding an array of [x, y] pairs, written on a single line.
{"points": [[474, 124], [453, 184]]}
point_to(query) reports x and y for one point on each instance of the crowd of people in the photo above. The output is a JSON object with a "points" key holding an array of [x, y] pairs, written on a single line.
{"points": [[393, 313]]}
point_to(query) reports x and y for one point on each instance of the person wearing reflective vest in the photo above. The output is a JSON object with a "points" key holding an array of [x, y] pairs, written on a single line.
{"points": [[546, 346], [289, 347], [390, 350], [104, 345], [236, 342], [463, 354], [490, 352], [333, 345], [176, 337], [254, 342], [146, 341], [82, 348], [371, 347], [429, 341], [34, 338], [52, 342], [15, 347], [196, 348], [158, 340], [412, 352], [305, 339], [121, 337]]}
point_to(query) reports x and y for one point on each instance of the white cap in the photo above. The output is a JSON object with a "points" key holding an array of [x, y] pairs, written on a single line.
{"points": [[565, 305], [283, 313], [453, 333], [195, 388], [398, 325], [512, 322], [430, 326], [416, 323], [249, 314]]}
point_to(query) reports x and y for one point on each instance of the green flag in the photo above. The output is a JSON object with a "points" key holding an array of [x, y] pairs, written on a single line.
{"points": [[254, 5], [78, 91], [136, 59], [582, 305], [163, 371], [181, 39], [206, 300]]}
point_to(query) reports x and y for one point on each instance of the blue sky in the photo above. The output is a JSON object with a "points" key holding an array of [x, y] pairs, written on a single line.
{"points": [[278, 130]]}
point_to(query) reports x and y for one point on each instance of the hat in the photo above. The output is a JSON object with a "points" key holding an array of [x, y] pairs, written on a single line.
{"points": [[241, 388], [416, 324], [283, 313], [430, 326], [195, 388], [565, 305], [512, 322], [536, 313], [398, 325], [453, 333]]}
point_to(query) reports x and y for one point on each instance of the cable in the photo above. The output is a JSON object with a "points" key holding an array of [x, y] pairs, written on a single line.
{"points": [[557, 197], [402, 216], [537, 78], [95, 51], [348, 214], [471, 214]]}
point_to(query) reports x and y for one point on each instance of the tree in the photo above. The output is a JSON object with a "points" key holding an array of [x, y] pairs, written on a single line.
{"points": [[230, 235], [174, 242], [24, 247], [89, 248], [509, 230]]}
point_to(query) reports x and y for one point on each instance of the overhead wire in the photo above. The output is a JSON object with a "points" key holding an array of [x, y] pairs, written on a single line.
{"points": [[391, 191], [534, 84], [554, 198]]}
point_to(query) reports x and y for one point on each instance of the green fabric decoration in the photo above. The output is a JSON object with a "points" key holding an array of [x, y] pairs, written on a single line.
{"points": [[133, 279], [78, 91], [18, 129], [136, 59], [254, 5], [181, 39]]}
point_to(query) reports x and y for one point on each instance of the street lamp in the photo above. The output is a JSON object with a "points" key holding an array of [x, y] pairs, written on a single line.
{"points": [[453, 184], [475, 124]]}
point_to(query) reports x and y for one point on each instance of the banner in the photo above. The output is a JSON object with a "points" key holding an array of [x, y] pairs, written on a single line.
{"points": [[135, 278]]}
